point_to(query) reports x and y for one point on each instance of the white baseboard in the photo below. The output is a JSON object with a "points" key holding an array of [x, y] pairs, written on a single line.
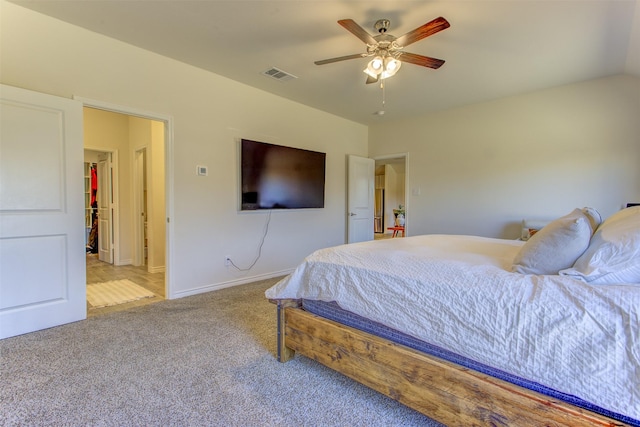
{"points": [[158, 269], [228, 284]]}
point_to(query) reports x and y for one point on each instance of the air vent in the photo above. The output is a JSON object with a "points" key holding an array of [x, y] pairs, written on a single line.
{"points": [[278, 74]]}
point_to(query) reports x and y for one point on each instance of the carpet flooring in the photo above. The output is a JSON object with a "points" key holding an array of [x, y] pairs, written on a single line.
{"points": [[115, 292], [205, 360]]}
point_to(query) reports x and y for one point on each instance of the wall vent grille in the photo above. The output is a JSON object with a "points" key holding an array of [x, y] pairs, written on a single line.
{"points": [[277, 74]]}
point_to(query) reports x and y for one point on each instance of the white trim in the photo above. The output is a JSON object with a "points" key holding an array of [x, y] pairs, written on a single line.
{"points": [[129, 111], [230, 283], [115, 213], [138, 233], [159, 269], [168, 162]]}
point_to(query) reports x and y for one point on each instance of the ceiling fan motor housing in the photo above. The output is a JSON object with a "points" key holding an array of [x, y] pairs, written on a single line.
{"points": [[382, 25]]}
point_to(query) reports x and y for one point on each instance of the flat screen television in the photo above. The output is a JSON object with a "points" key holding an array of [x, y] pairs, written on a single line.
{"points": [[278, 177]]}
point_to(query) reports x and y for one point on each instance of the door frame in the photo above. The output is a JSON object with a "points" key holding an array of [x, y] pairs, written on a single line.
{"points": [[404, 156], [138, 202], [168, 168]]}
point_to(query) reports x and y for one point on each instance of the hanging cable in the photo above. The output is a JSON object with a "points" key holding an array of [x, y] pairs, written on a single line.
{"points": [[264, 235]]}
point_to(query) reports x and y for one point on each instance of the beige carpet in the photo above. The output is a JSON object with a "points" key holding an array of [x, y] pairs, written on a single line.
{"points": [[203, 360], [115, 292]]}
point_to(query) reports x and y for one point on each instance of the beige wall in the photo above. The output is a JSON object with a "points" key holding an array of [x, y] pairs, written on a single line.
{"points": [[482, 168], [209, 114]]}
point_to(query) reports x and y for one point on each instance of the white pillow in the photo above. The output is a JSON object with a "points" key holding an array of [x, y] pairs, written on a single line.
{"points": [[613, 255], [556, 246], [594, 217]]}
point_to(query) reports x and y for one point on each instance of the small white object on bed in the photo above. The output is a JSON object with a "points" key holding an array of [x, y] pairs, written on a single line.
{"points": [[459, 293]]}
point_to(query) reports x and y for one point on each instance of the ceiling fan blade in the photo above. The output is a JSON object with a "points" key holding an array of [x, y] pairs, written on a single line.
{"points": [[426, 30], [424, 61], [357, 31], [371, 79], [340, 58]]}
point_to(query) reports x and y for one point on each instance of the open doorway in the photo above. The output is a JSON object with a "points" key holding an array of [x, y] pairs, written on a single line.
{"points": [[390, 196], [131, 210]]}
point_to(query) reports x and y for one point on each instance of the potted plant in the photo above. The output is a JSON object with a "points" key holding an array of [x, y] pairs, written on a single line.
{"points": [[400, 215]]}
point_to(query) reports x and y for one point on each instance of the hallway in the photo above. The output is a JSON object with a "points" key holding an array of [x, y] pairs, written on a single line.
{"points": [[98, 271]]}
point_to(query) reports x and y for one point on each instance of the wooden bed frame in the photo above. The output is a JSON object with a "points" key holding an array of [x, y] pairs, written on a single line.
{"points": [[444, 391]]}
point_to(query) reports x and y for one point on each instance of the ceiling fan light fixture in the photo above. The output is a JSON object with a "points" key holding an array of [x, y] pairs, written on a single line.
{"points": [[391, 67], [382, 68], [391, 64], [375, 66], [370, 73]]}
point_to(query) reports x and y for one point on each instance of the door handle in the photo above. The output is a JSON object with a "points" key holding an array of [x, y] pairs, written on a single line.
{"points": [[352, 214]]}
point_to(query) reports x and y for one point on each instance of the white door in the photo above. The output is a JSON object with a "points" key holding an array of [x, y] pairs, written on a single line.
{"points": [[360, 198], [42, 247], [105, 208]]}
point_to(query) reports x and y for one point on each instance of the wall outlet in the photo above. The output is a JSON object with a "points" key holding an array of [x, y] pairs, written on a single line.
{"points": [[227, 261]]}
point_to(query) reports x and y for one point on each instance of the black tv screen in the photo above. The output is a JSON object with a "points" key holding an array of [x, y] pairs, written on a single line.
{"points": [[278, 177]]}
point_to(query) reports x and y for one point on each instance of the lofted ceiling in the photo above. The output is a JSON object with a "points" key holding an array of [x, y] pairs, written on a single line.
{"points": [[493, 49]]}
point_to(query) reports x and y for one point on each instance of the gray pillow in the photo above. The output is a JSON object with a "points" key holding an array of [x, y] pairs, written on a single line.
{"points": [[556, 246]]}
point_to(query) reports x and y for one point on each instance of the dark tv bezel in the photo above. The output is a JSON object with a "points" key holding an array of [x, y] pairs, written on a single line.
{"points": [[241, 204]]}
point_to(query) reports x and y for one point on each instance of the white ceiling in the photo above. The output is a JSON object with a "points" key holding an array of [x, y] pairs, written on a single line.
{"points": [[493, 49]]}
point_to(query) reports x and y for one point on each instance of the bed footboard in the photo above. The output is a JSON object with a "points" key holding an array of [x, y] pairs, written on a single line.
{"points": [[446, 392]]}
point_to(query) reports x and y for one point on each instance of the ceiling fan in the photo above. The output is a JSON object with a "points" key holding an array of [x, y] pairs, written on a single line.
{"points": [[387, 50]]}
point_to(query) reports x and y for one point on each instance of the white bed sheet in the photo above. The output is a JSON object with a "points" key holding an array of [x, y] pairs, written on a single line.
{"points": [[457, 292]]}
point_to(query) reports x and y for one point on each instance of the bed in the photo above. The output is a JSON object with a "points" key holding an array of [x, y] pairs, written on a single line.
{"points": [[479, 331]]}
